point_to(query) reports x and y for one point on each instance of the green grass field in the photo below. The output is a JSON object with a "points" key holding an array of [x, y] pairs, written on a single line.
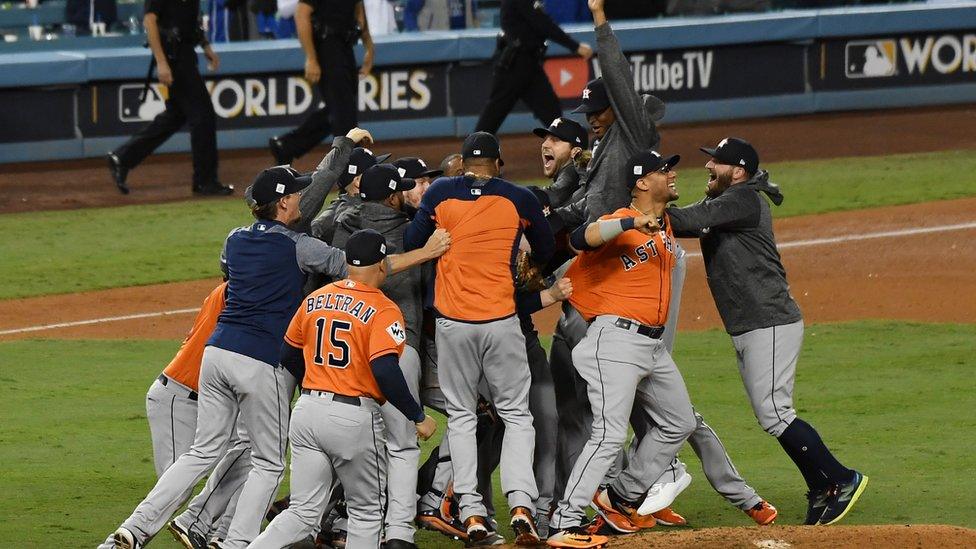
{"points": [[70, 251], [893, 399]]}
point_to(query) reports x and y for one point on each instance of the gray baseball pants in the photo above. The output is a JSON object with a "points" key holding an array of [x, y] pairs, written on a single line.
{"points": [[767, 364], [333, 439], [172, 418], [495, 351], [622, 367], [403, 451], [716, 463], [230, 383], [572, 404]]}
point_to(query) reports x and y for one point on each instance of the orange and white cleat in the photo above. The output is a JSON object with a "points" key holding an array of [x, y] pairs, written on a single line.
{"points": [[667, 517], [620, 516], [576, 538], [763, 513]]}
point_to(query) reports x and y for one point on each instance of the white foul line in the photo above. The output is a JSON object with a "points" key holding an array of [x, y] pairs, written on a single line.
{"points": [[868, 236], [794, 244], [97, 321]]}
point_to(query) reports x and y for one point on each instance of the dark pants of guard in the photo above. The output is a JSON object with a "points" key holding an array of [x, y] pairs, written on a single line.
{"points": [[524, 79], [339, 88], [188, 102]]}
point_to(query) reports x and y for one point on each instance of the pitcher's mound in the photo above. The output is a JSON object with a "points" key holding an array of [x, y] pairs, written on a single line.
{"points": [[788, 537]]}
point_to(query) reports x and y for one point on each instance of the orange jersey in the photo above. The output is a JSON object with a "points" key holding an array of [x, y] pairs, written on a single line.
{"points": [[340, 328], [630, 276], [476, 277], [185, 366]]}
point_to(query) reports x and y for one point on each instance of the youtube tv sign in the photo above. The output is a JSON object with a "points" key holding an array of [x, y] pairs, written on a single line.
{"points": [[568, 76]]}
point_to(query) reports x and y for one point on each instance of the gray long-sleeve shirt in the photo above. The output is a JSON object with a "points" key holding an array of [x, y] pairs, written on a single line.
{"points": [[743, 266], [323, 179], [634, 130], [405, 288]]}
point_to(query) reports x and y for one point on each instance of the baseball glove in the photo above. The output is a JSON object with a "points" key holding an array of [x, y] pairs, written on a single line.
{"points": [[528, 277]]}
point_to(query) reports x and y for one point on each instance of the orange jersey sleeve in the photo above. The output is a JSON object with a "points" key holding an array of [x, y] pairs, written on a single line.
{"points": [[344, 326], [629, 276], [185, 366]]}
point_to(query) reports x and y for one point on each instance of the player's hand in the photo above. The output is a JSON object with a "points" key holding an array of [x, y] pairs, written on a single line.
{"points": [[584, 51], [367, 64], [595, 5], [312, 71], [646, 224], [426, 428], [361, 137], [213, 60], [438, 243], [562, 289], [165, 74]]}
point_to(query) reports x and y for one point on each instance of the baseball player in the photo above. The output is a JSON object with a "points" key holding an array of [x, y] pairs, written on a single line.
{"points": [[348, 337], [415, 168], [478, 334], [382, 191], [622, 287], [748, 283], [323, 226], [266, 265]]}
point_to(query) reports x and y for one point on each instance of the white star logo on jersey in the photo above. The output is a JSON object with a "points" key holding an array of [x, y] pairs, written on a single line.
{"points": [[396, 332]]}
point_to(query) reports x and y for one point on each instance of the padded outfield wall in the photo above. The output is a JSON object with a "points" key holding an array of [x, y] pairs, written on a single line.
{"points": [[60, 104]]}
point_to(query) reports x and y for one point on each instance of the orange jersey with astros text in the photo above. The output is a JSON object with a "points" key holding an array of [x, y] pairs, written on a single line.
{"points": [[340, 328], [630, 276], [185, 366]]}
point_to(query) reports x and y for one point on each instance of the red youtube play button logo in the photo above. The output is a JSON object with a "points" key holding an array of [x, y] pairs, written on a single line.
{"points": [[568, 76]]}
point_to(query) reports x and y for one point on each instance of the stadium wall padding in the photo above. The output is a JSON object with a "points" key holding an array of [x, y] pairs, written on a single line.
{"points": [[75, 104]]}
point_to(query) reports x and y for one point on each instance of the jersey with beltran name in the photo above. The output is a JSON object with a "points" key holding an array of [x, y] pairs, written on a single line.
{"points": [[185, 366], [341, 327], [630, 276]]}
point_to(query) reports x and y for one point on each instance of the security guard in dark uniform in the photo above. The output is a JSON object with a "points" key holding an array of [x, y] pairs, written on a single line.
{"points": [[518, 60], [173, 31], [328, 30]]}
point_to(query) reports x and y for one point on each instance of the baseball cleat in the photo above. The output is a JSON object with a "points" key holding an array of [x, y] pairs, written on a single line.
{"points": [[762, 513], [577, 538], [189, 538], [663, 494], [124, 539], [476, 528], [213, 189], [277, 149], [524, 528], [842, 498], [619, 515], [816, 504], [432, 520], [667, 517], [119, 172]]}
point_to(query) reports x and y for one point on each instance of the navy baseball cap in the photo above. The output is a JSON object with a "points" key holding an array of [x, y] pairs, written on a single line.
{"points": [[481, 145], [414, 168], [595, 97], [274, 183], [364, 248], [566, 130], [360, 159], [381, 181], [735, 152], [645, 162]]}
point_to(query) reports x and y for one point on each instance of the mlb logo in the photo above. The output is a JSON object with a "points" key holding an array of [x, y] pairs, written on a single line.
{"points": [[133, 110], [870, 58]]}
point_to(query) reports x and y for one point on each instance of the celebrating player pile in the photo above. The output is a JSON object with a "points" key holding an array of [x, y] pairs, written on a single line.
{"points": [[406, 293]]}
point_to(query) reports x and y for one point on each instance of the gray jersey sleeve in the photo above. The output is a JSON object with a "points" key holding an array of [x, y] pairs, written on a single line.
{"points": [[632, 117], [223, 251], [315, 256], [323, 179]]}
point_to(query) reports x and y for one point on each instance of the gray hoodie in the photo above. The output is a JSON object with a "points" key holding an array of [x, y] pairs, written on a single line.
{"points": [[405, 288], [634, 130], [742, 264], [323, 178]]}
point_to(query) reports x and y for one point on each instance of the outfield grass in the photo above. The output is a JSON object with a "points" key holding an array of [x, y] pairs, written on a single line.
{"points": [[69, 251], [893, 399]]}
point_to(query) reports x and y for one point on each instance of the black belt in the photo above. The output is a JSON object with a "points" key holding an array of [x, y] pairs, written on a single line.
{"points": [[653, 332], [164, 379], [354, 401]]}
